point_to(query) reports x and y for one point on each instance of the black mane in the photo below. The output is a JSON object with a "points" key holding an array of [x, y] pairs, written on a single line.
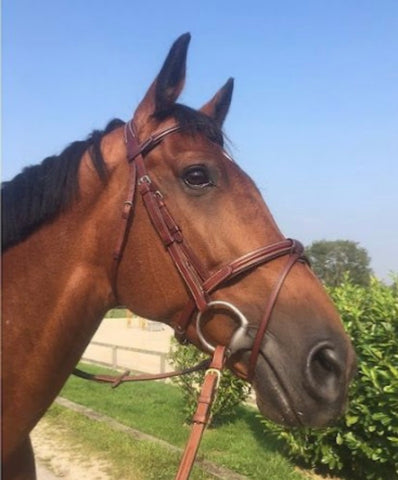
{"points": [[39, 192]]}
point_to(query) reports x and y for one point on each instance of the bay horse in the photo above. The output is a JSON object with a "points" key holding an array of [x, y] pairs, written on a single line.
{"points": [[154, 215]]}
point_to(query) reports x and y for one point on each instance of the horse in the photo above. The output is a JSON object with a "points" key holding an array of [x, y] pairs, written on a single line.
{"points": [[153, 214]]}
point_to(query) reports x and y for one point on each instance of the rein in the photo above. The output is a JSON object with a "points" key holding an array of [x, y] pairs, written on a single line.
{"points": [[200, 284]]}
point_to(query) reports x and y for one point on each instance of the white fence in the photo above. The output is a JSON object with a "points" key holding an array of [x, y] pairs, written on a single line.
{"points": [[138, 360], [118, 357]]}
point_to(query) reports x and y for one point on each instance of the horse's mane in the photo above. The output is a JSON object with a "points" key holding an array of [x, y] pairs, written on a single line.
{"points": [[40, 192]]}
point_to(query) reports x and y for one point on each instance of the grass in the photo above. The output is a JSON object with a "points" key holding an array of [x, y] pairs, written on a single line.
{"points": [[129, 459], [156, 408]]}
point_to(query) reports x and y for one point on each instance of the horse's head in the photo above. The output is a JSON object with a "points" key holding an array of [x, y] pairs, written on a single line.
{"points": [[202, 233]]}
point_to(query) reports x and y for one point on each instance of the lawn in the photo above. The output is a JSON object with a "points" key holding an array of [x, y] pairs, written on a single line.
{"points": [[155, 408]]}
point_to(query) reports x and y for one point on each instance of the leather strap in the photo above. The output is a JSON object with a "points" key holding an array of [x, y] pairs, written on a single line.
{"points": [[162, 220], [202, 416], [116, 380], [235, 268], [267, 315], [127, 209]]}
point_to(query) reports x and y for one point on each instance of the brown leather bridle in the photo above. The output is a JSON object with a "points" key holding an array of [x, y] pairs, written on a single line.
{"points": [[199, 282]]}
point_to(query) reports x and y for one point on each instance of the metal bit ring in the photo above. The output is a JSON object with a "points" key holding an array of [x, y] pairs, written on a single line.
{"points": [[237, 336]]}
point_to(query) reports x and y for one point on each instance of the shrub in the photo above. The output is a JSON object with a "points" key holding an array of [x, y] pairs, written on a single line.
{"points": [[118, 312], [364, 444], [231, 392]]}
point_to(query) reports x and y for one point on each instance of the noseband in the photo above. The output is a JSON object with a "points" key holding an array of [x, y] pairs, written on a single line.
{"points": [[199, 282]]}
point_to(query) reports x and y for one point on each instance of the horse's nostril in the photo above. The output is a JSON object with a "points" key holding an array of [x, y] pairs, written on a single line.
{"points": [[324, 372], [326, 359]]}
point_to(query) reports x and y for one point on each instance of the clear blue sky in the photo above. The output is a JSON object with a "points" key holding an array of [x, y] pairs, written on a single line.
{"points": [[314, 118]]}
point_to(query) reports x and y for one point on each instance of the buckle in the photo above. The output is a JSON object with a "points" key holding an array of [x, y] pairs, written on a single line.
{"points": [[144, 179], [215, 372]]}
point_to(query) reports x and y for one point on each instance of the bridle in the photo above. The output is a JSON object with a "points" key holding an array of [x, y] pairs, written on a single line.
{"points": [[199, 282]]}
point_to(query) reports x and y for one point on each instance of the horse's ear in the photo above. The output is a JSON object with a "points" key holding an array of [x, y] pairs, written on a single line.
{"points": [[217, 108], [169, 83]]}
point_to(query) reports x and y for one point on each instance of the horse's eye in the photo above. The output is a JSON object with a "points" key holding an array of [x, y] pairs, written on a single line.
{"points": [[197, 176]]}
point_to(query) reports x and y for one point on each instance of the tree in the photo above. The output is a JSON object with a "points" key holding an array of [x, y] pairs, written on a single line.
{"points": [[332, 260]]}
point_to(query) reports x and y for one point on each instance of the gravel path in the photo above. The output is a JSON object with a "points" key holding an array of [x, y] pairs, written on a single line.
{"points": [[57, 458], [43, 473]]}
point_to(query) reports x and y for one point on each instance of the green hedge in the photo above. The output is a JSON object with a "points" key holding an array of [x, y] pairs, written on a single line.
{"points": [[118, 312], [364, 444], [231, 392]]}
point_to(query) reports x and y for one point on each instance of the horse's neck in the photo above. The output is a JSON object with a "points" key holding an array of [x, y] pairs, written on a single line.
{"points": [[45, 330], [56, 280], [52, 297], [56, 289]]}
